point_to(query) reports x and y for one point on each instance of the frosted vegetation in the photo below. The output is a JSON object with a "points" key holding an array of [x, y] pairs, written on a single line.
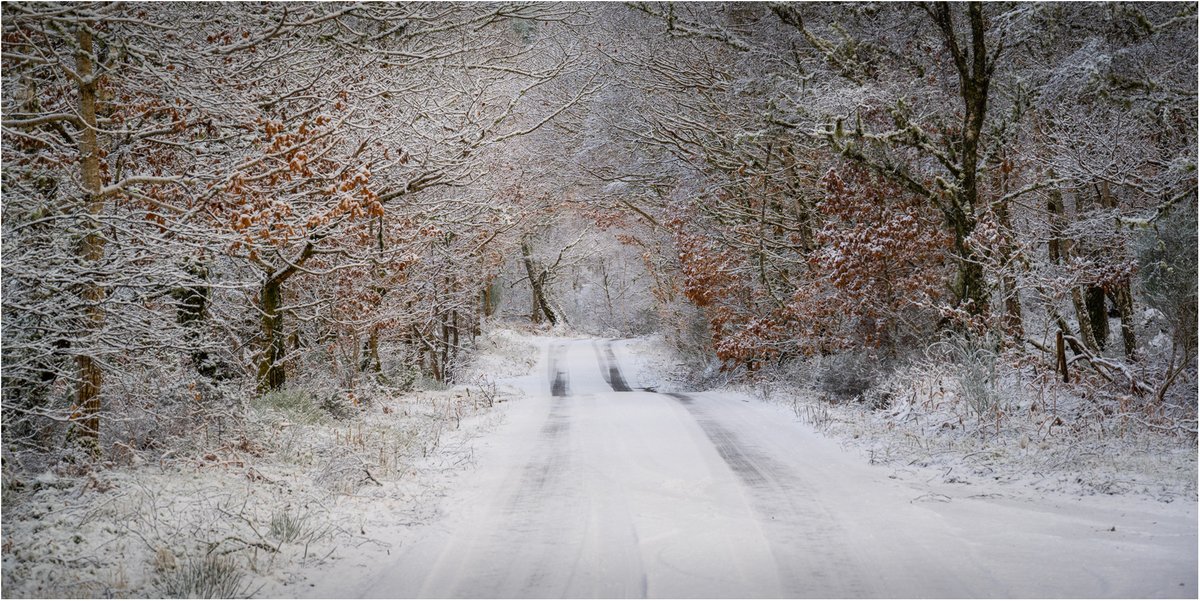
{"points": [[260, 259]]}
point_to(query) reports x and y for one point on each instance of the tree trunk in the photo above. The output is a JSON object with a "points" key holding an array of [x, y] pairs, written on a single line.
{"points": [[535, 305], [607, 293], [370, 360], [1097, 314], [445, 342], [970, 286], [1013, 323], [537, 282], [191, 305], [1060, 353], [488, 299], [1059, 249], [1057, 246], [1081, 314], [91, 248], [1122, 297], [435, 366], [1087, 297], [974, 79], [1093, 295], [271, 372], [414, 338], [802, 206]]}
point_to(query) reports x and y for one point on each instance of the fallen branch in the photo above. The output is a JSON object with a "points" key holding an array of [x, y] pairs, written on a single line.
{"points": [[1177, 426], [248, 544], [370, 477], [1102, 365]]}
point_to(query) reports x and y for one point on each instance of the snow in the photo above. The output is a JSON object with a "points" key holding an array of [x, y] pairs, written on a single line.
{"points": [[615, 494], [599, 493], [1160, 341], [348, 486], [928, 431]]}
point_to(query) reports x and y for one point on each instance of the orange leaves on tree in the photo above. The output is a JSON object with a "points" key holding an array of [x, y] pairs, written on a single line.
{"points": [[882, 250]]}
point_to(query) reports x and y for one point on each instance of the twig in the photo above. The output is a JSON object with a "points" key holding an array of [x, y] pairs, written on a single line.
{"points": [[370, 477], [259, 545]]}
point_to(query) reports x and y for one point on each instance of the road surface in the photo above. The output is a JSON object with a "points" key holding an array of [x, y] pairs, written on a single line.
{"points": [[594, 488]]}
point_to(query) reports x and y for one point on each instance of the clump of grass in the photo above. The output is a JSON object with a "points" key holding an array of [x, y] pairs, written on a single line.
{"points": [[977, 371], [296, 405], [213, 577], [288, 527], [978, 380]]}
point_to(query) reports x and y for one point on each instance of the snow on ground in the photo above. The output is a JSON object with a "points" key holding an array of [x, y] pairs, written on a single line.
{"points": [[595, 492], [929, 433], [1036, 472], [502, 354], [594, 488], [300, 492], [1035, 450]]}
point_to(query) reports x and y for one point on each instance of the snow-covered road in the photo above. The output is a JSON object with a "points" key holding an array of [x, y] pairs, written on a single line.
{"points": [[591, 489]]}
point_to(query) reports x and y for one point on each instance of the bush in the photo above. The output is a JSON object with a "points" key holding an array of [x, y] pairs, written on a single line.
{"points": [[1167, 272], [977, 370], [850, 375], [296, 405]]}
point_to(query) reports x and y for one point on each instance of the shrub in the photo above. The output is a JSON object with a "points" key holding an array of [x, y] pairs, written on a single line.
{"points": [[977, 370], [296, 405], [850, 375], [1166, 258]]}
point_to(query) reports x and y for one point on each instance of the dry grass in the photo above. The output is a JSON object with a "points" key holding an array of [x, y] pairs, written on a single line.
{"points": [[1036, 430], [255, 511]]}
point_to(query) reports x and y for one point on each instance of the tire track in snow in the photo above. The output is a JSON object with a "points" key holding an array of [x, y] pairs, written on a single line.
{"points": [[560, 380], [794, 520], [530, 517], [538, 501], [558, 521], [546, 465], [540, 473], [726, 443], [610, 370]]}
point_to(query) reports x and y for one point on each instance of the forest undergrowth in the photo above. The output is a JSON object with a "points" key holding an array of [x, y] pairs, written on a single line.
{"points": [[297, 483], [1039, 434], [977, 419]]}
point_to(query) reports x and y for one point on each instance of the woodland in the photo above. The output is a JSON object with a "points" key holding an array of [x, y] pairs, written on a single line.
{"points": [[205, 204]]}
